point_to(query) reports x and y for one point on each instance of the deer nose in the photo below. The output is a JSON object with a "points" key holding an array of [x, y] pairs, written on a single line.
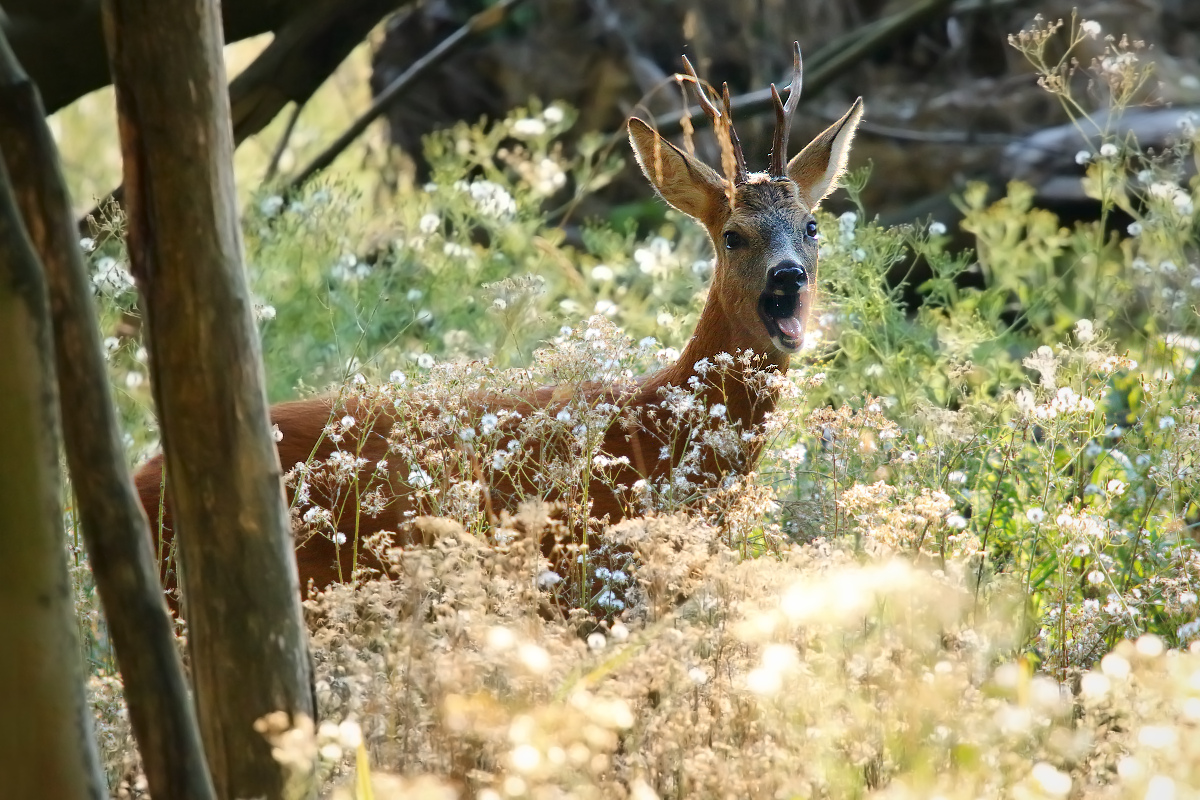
{"points": [[786, 277]]}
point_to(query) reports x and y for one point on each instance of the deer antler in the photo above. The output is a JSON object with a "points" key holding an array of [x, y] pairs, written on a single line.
{"points": [[736, 143], [783, 114], [723, 125]]}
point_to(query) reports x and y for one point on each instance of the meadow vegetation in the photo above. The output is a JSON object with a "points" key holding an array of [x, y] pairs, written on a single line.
{"points": [[966, 566]]}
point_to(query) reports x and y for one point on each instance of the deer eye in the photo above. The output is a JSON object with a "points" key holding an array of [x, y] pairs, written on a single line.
{"points": [[811, 229], [734, 240]]}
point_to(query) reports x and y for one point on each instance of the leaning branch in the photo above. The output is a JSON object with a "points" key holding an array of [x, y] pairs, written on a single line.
{"points": [[47, 742], [304, 53], [481, 22]]}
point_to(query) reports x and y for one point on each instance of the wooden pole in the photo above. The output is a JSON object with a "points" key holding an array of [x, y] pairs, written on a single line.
{"points": [[46, 744], [114, 526], [246, 634]]}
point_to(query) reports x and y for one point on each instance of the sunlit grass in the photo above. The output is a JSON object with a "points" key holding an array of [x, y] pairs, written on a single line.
{"points": [[966, 565]]}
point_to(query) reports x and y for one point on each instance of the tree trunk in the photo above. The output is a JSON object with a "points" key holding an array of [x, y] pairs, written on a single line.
{"points": [[114, 526], [46, 743], [246, 634]]}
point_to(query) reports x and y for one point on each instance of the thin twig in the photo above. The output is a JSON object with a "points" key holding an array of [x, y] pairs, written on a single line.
{"points": [[987, 529], [281, 145], [480, 23], [930, 137]]}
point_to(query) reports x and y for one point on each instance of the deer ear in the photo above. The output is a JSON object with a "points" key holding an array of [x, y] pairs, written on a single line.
{"points": [[817, 168], [685, 182]]}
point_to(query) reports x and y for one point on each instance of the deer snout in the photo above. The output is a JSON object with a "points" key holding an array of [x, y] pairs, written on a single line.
{"points": [[786, 277]]}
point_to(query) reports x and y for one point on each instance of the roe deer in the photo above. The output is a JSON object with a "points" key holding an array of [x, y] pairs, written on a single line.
{"points": [[764, 234]]}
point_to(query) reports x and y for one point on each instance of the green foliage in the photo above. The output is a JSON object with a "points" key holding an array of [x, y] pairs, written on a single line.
{"points": [[1030, 429], [936, 401]]}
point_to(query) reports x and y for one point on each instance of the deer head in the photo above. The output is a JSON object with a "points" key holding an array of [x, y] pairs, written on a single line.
{"points": [[761, 223]]}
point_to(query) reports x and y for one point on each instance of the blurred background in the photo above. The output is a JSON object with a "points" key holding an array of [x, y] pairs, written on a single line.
{"points": [[947, 100]]}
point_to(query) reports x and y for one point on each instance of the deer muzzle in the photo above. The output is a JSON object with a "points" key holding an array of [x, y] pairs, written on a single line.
{"points": [[782, 305]]}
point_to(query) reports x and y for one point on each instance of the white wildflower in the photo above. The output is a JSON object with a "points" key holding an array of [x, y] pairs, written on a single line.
{"points": [[429, 223], [609, 601], [795, 454], [111, 277], [528, 128], [490, 199], [419, 478], [846, 223], [1085, 331], [1050, 780], [270, 206]]}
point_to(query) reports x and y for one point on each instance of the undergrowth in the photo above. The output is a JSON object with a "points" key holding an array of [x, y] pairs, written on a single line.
{"points": [[966, 563]]}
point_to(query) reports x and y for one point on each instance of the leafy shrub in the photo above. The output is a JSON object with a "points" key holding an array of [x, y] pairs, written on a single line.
{"points": [[965, 566]]}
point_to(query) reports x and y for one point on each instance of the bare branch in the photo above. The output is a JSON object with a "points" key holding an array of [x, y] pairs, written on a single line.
{"points": [[481, 22], [304, 53]]}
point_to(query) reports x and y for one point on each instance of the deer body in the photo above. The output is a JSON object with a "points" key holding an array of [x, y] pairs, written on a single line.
{"points": [[764, 234]]}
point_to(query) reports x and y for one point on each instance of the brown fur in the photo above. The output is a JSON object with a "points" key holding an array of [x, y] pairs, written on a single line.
{"points": [[770, 210]]}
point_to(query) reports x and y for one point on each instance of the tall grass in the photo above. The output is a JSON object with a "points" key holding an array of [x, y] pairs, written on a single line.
{"points": [[966, 565]]}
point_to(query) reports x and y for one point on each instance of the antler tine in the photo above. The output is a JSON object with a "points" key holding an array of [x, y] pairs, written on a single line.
{"points": [[783, 113], [779, 143], [739, 158], [797, 80], [709, 109]]}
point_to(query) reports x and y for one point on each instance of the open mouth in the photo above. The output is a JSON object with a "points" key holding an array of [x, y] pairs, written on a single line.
{"points": [[781, 307]]}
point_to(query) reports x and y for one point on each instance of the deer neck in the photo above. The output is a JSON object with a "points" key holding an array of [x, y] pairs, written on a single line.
{"points": [[715, 334]]}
